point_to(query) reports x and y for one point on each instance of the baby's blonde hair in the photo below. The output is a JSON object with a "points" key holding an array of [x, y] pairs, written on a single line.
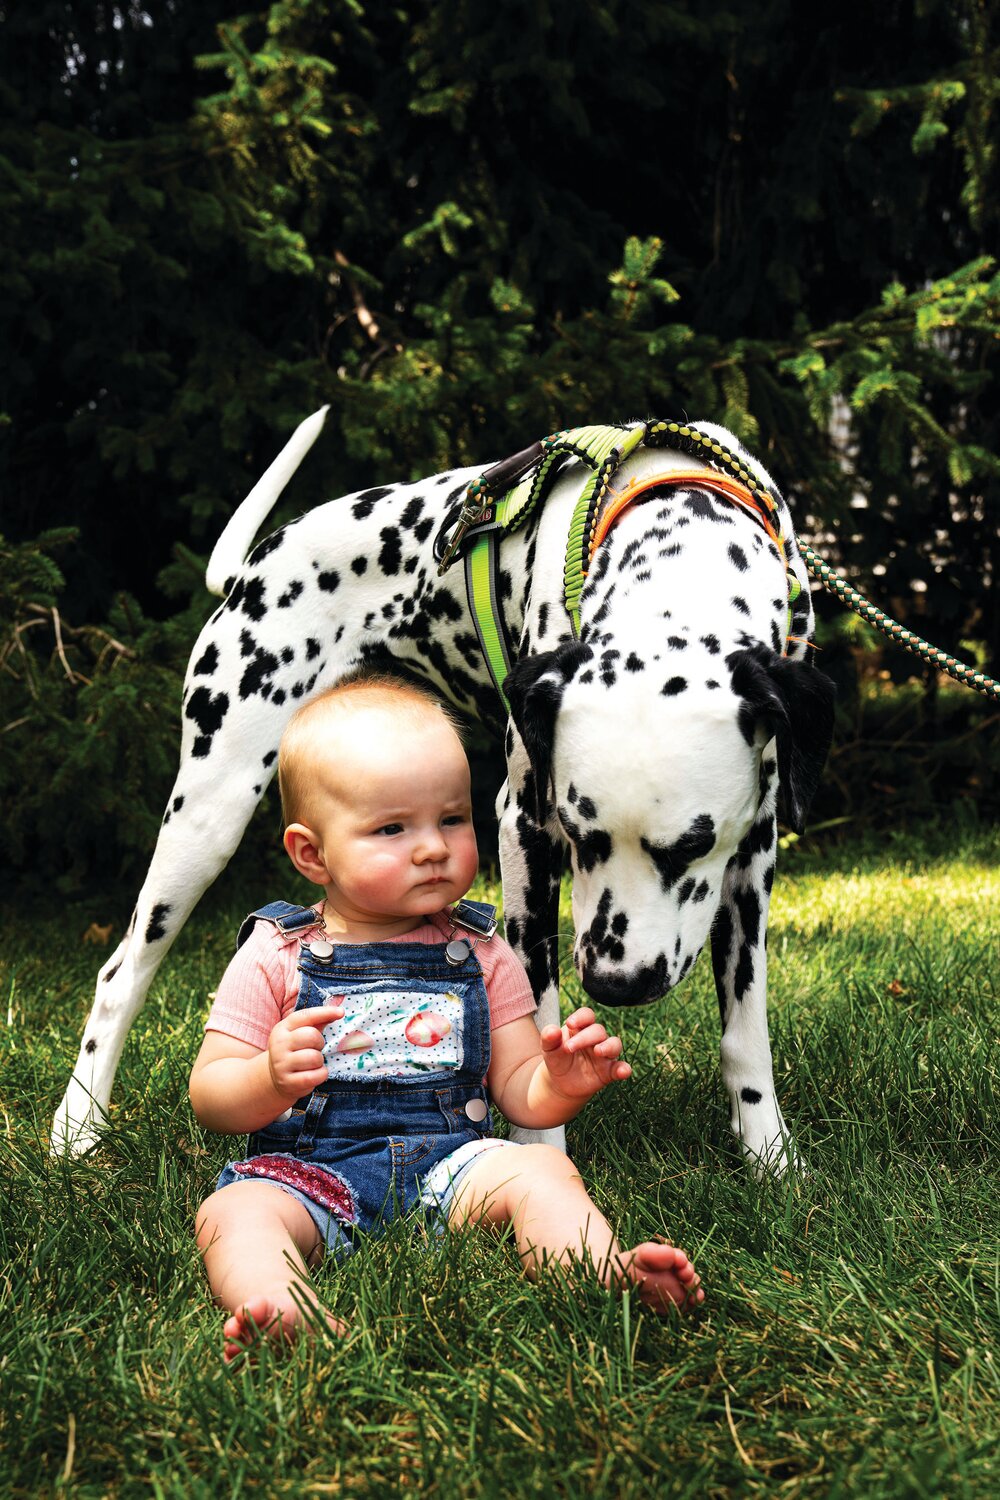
{"points": [[304, 729]]}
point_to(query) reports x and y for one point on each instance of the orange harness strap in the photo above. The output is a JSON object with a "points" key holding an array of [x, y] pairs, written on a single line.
{"points": [[704, 479]]}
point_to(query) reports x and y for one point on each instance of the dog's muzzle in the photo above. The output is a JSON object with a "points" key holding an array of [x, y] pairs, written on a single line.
{"points": [[635, 987]]}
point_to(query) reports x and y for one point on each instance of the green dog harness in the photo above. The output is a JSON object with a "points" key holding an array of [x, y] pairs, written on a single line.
{"points": [[502, 499]]}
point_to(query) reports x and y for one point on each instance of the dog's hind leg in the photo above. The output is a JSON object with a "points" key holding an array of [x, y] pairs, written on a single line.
{"points": [[190, 852], [739, 958], [228, 754]]}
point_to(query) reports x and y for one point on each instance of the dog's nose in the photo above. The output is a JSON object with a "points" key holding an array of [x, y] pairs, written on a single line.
{"points": [[631, 987]]}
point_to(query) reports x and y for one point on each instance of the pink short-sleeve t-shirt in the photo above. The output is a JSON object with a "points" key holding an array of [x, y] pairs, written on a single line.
{"points": [[261, 984]]}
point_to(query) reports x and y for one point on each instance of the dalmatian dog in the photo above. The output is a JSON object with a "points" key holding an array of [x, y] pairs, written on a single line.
{"points": [[657, 745]]}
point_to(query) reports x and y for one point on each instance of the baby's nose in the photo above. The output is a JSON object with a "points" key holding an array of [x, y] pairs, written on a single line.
{"points": [[433, 845]]}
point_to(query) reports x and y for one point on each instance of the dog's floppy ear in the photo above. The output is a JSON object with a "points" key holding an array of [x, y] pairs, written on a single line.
{"points": [[793, 701], [534, 688]]}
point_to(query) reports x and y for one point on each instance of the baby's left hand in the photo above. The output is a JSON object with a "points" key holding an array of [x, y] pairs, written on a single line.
{"points": [[580, 1056]]}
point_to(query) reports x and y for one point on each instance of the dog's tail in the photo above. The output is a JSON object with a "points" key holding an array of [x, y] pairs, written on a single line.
{"points": [[229, 552]]}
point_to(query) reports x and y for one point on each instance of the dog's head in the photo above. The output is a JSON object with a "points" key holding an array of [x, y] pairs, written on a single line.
{"points": [[654, 791]]}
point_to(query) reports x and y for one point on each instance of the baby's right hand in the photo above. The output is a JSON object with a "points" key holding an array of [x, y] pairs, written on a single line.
{"points": [[295, 1050]]}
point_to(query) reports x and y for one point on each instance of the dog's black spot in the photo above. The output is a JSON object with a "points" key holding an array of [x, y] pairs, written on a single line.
{"points": [[674, 686], [278, 697], [312, 648], [267, 546], [748, 906], [674, 550], [290, 595], [743, 978], [328, 581], [686, 892], [722, 939], [711, 683], [711, 644], [634, 663], [750, 1096], [593, 849], [255, 678], [227, 588], [768, 880], [155, 928], [208, 662], [91, 1046], [287, 654], [674, 860], [738, 557], [740, 604], [208, 713], [571, 793], [422, 531], [411, 515], [177, 804], [776, 641], [644, 576], [700, 505], [269, 758], [358, 565], [257, 789], [619, 924], [253, 603], [388, 611], [247, 643], [676, 642], [586, 808], [512, 929], [439, 605], [365, 504]]}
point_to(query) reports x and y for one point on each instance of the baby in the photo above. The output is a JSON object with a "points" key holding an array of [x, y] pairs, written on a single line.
{"points": [[359, 1041]]}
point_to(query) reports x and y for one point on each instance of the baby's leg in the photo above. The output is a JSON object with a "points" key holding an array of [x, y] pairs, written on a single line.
{"points": [[256, 1241], [539, 1192]]}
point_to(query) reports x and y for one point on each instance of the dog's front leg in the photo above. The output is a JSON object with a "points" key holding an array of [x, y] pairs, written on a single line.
{"points": [[739, 958], [530, 870]]}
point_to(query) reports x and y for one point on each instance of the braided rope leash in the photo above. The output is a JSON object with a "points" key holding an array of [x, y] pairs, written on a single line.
{"points": [[893, 630]]}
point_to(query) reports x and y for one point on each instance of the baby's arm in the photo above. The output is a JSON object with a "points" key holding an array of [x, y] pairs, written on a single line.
{"points": [[543, 1079], [236, 1088]]}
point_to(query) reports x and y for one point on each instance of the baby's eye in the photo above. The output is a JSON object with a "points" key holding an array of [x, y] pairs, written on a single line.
{"points": [[453, 820], [390, 828]]}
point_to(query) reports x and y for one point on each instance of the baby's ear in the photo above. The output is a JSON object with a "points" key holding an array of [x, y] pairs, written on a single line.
{"points": [[302, 848]]}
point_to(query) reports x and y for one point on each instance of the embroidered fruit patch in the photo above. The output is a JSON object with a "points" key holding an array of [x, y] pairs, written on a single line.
{"points": [[426, 1028], [356, 1041]]}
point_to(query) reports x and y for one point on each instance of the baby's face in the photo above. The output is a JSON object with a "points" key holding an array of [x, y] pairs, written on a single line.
{"points": [[392, 817]]}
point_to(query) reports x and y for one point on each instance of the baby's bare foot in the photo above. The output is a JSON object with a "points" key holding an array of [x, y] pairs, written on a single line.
{"points": [[663, 1276], [277, 1318]]}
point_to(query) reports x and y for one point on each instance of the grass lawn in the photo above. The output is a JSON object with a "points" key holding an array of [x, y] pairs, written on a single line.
{"points": [[848, 1342]]}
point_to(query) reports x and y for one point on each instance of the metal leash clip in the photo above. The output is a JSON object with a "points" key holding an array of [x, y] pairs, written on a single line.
{"points": [[477, 917]]}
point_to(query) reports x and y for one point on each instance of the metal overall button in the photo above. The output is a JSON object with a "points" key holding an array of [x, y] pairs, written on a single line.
{"points": [[477, 1109], [457, 951], [321, 949]]}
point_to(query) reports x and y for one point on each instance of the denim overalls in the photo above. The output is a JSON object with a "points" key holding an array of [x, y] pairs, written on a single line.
{"points": [[405, 1090]]}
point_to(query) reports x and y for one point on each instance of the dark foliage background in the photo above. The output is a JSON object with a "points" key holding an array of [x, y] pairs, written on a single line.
{"points": [[463, 225]]}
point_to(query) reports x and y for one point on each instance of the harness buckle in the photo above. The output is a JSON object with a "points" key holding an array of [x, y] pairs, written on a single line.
{"points": [[475, 512]]}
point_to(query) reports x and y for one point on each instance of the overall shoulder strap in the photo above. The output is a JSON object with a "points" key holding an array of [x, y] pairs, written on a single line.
{"points": [[287, 918]]}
